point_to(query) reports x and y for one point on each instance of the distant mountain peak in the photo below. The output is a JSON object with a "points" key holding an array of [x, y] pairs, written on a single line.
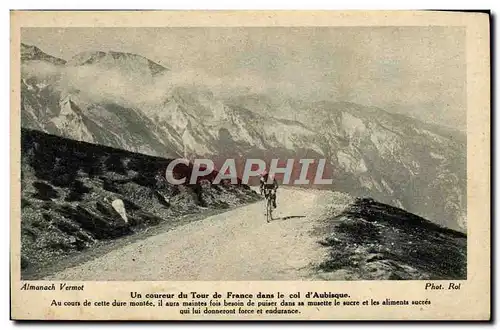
{"points": [[33, 53], [121, 60]]}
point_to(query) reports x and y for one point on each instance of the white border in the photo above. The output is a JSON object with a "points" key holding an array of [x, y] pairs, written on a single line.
{"points": [[185, 4]]}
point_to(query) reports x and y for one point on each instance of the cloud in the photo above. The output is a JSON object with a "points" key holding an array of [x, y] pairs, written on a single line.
{"points": [[360, 72], [100, 84], [380, 66], [39, 69], [136, 89]]}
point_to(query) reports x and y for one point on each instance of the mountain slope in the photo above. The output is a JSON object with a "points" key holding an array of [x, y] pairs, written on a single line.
{"points": [[374, 241], [395, 159], [69, 190], [370, 152]]}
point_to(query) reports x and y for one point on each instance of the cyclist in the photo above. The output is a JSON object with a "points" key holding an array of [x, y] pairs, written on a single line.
{"points": [[269, 184], [262, 181]]}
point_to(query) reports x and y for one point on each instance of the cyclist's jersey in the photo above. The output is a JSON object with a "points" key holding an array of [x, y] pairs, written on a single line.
{"points": [[273, 185]]}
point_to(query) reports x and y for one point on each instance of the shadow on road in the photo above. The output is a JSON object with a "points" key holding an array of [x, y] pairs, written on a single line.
{"points": [[289, 217]]}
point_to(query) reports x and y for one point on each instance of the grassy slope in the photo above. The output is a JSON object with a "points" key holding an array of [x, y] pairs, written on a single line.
{"points": [[371, 241], [64, 184]]}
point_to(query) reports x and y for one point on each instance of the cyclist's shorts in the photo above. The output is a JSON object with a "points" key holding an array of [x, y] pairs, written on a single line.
{"points": [[269, 191]]}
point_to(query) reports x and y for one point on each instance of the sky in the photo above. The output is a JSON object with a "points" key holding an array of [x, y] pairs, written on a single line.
{"points": [[417, 71]]}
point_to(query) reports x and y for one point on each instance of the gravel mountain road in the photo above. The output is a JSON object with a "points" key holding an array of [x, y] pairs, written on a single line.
{"points": [[235, 245]]}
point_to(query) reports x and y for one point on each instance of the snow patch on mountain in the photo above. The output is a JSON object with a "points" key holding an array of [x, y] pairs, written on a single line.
{"points": [[370, 183], [437, 138], [387, 186], [386, 142], [352, 125], [192, 146], [350, 163], [437, 156]]}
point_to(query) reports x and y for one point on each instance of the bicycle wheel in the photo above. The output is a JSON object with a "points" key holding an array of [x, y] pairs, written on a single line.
{"points": [[269, 210]]}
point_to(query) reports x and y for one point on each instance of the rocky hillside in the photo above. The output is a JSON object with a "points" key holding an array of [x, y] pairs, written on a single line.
{"points": [[375, 241], [75, 194], [126, 101]]}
